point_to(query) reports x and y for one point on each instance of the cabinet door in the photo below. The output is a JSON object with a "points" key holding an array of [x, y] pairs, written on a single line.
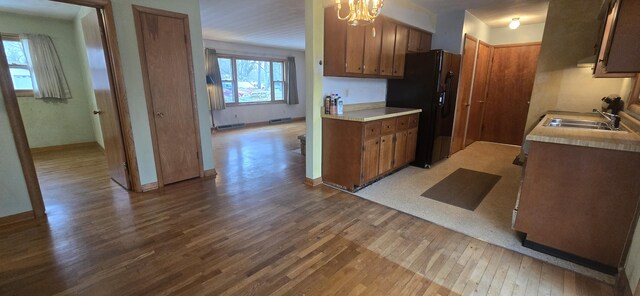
{"points": [[371, 156], [412, 141], [388, 47], [402, 34], [335, 38], [355, 49], [414, 40], [425, 42], [400, 154], [386, 154], [372, 47]]}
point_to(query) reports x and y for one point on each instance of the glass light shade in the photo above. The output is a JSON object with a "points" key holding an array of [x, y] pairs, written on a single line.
{"points": [[514, 24], [361, 12]]}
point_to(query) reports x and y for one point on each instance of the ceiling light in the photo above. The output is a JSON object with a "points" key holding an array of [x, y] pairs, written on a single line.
{"points": [[515, 23], [361, 12]]}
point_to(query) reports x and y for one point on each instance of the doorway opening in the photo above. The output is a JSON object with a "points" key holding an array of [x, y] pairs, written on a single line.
{"points": [[63, 90]]}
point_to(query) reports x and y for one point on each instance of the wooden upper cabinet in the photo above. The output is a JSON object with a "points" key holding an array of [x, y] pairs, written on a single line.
{"points": [[335, 44], [419, 41], [619, 47], [415, 37], [425, 42], [355, 49], [388, 47], [402, 34], [372, 47]]}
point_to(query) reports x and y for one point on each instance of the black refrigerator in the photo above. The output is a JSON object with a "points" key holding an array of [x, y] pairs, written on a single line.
{"points": [[430, 83]]}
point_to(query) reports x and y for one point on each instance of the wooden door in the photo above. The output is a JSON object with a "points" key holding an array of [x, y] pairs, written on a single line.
{"points": [[371, 157], [372, 48], [165, 50], [335, 38], [400, 150], [400, 51], [412, 141], [414, 40], [511, 82], [425, 42], [105, 100], [388, 46], [479, 93], [386, 154], [466, 81], [355, 49]]}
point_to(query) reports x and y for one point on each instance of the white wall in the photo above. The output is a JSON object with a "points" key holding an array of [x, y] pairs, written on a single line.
{"points": [[475, 27], [86, 73], [264, 112], [569, 36], [14, 197], [132, 70], [524, 34], [52, 122], [449, 31], [356, 90]]}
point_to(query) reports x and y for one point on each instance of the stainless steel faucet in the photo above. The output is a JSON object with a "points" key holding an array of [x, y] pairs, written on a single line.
{"points": [[614, 120]]}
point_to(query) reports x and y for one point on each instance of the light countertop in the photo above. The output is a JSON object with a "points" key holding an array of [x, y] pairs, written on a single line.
{"points": [[624, 140], [373, 114]]}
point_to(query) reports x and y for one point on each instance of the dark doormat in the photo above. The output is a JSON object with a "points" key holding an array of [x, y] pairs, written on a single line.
{"points": [[463, 188]]}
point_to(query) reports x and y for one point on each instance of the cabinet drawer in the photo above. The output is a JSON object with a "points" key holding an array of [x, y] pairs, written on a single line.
{"points": [[402, 123], [372, 130], [413, 120], [388, 126]]}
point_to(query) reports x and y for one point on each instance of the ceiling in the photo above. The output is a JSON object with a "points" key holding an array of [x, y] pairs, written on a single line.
{"points": [[275, 23], [40, 8], [280, 23]]}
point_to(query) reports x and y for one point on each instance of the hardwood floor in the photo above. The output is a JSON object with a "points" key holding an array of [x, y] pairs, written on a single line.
{"points": [[255, 230]]}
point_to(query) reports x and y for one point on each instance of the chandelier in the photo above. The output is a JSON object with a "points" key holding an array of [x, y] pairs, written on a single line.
{"points": [[361, 12]]}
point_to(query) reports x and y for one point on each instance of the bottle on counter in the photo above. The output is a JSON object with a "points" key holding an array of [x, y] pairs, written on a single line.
{"points": [[340, 106], [333, 107], [327, 105]]}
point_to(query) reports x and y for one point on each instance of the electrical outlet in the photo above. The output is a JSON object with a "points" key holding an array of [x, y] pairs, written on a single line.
{"points": [[345, 92]]}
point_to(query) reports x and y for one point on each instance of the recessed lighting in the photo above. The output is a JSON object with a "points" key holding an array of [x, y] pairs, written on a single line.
{"points": [[515, 23]]}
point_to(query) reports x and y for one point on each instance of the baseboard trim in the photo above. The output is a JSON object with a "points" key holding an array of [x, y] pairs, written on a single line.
{"points": [[67, 146], [149, 187], [622, 286], [210, 173], [313, 182], [610, 270], [17, 218], [258, 124]]}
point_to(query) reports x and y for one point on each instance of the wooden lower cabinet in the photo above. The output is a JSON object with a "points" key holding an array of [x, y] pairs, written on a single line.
{"points": [[355, 153]]}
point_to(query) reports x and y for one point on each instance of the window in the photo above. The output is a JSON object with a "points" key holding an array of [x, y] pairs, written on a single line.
{"points": [[248, 80], [20, 73]]}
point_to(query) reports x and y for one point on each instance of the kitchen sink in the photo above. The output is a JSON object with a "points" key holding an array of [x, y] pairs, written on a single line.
{"points": [[573, 123]]}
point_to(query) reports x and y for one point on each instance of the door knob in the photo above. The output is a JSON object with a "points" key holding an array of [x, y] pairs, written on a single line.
{"points": [[159, 114], [97, 112]]}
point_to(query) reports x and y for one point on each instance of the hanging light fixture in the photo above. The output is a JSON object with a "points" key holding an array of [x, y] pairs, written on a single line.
{"points": [[515, 23], [361, 12]]}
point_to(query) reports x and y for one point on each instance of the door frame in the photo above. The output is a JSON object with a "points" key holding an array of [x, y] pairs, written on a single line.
{"points": [[107, 21], [137, 11]]}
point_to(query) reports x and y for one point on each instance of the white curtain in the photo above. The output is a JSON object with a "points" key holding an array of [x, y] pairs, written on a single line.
{"points": [[49, 80]]}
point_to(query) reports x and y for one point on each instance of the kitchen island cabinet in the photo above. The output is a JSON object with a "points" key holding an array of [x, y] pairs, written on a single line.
{"points": [[361, 147], [579, 196]]}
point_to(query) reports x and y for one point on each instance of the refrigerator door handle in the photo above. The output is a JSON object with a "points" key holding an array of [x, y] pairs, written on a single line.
{"points": [[444, 103]]}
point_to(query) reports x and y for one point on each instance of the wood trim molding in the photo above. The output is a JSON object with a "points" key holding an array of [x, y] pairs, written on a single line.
{"points": [[517, 44], [90, 3], [137, 10], [469, 36], [62, 147], [20, 138], [16, 218], [313, 182], [211, 173], [150, 187]]}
